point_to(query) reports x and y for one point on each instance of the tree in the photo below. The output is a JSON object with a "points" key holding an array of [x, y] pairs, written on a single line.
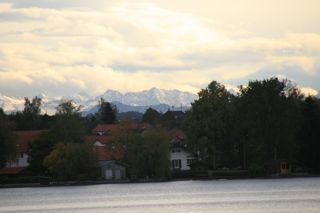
{"points": [[269, 117], [151, 116], [30, 117], [7, 142], [107, 112], [71, 161], [206, 124], [309, 135], [122, 138], [168, 120], [146, 153], [32, 107], [38, 150], [68, 108], [68, 127], [156, 153]]}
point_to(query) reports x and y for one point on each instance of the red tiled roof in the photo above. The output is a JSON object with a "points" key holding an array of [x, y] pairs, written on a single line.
{"points": [[101, 138], [103, 153], [24, 137], [105, 127], [177, 133], [110, 127], [11, 170]]}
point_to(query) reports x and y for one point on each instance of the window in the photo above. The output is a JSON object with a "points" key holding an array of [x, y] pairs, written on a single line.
{"points": [[175, 150], [189, 161], [176, 164], [284, 166], [21, 154]]}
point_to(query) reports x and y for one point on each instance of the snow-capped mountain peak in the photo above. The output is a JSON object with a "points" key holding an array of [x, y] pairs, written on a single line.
{"points": [[151, 97]]}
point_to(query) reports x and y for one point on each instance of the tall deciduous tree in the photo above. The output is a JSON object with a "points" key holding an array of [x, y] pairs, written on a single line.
{"points": [[207, 122], [71, 161], [32, 107], [269, 118], [30, 117], [67, 128], [156, 153]]}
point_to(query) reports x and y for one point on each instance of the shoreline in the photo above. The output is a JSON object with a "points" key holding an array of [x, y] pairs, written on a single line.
{"points": [[127, 181]]}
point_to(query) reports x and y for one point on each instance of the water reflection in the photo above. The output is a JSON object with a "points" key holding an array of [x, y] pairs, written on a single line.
{"points": [[280, 195]]}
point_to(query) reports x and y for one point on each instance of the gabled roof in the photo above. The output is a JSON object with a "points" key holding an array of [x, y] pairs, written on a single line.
{"points": [[104, 127], [110, 127], [177, 134], [104, 139], [24, 137]]}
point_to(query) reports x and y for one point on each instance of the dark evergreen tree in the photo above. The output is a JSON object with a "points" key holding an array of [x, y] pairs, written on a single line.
{"points": [[107, 112], [151, 116], [168, 120]]}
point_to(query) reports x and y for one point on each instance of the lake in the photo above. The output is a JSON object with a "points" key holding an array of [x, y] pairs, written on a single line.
{"points": [[252, 195]]}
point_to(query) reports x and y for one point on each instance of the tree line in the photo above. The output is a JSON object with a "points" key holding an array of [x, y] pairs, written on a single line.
{"points": [[265, 121], [62, 152]]}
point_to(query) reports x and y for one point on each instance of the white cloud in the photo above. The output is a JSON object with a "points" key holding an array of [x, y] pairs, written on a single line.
{"points": [[58, 48], [308, 91]]}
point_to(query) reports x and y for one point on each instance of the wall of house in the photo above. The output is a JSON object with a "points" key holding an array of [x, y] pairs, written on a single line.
{"points": [[177, 154], [112, 171], [22, 161]]}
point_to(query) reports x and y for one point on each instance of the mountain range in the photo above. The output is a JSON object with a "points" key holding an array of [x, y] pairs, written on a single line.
{"points": [[159, 99]]}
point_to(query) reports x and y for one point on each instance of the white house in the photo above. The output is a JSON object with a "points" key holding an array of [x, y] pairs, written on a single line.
{"points": [[180, 157]]}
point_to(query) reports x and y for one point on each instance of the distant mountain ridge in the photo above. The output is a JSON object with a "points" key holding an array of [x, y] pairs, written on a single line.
{"points": [[150, 97], [160, 99]]}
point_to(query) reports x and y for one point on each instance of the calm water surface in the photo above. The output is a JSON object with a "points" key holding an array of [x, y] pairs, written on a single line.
{"points": [[278, 195]]}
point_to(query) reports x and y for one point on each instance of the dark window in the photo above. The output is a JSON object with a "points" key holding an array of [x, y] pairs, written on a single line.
{"points": [[176, 164], [21, 154]]}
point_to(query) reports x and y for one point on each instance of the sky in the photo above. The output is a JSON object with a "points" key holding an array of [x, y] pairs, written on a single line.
{"points": [[77, 46]]}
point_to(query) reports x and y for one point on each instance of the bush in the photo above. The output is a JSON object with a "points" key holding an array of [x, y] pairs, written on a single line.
{"points": [[256, 170]]}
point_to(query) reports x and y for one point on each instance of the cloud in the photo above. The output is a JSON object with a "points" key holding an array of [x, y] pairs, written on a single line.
{"points": [[308, 91], [66, 47]]}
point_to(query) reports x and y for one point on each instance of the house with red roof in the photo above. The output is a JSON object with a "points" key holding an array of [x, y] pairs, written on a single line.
{"points": [[20, 164], [109, 168], [23, 138], [106, 129], [180, 156]]}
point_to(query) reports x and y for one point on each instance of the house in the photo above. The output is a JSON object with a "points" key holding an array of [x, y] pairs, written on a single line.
{"points": [[106, 129], [98, 140], [108, 168], [279, 167], [23, 138], [180, 156], [112, 170], [178, 116]]}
